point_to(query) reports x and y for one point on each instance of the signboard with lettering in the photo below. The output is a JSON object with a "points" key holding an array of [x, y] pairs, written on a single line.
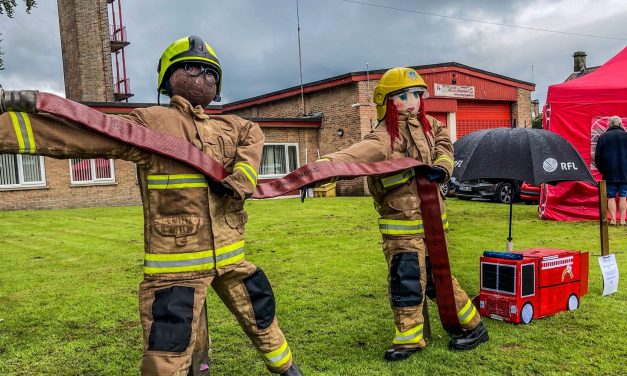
{"points": [[454, 91]]}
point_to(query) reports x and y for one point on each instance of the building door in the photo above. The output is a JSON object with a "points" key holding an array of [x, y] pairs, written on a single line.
{"points": [[474, 115]]}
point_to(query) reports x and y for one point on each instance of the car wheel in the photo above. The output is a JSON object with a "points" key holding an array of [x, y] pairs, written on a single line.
{"points": [[573, 302], [526, 313], [505, 193], [444, 189]]}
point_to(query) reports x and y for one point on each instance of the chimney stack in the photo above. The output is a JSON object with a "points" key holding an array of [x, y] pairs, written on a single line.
{"points": [[580, 61]]}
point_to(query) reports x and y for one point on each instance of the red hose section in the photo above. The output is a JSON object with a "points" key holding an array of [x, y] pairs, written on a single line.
{"points": [[320, 171], [130, 133], [429, 194]]}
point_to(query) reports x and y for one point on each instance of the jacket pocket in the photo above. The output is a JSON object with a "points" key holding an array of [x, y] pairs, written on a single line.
{"points": [[177, 226], [409, 205], [236, 220]]}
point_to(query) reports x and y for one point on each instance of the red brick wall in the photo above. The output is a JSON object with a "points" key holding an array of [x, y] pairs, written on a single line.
{"points": [[60, 194]]}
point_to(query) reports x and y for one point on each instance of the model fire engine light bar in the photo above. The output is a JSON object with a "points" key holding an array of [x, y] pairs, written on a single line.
{"points": [[503, 255]]}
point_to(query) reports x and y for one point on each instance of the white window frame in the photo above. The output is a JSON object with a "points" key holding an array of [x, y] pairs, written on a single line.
{"points": [[286, 145], [498, 278], [20, 175], [533, 265], [94, 180]]}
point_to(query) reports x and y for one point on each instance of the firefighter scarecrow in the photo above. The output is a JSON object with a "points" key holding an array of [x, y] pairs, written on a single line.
{"points": [[194, 226], [403, 130]]}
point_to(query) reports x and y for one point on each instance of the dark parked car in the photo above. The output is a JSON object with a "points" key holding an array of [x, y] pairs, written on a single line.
{"points": [[489, 189]]}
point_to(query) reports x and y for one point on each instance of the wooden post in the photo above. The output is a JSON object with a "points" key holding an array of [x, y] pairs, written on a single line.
{"points": [[605, 245]]}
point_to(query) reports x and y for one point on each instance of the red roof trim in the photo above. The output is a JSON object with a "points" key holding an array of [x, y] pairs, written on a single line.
{"points": [[476, 74], [288, 124]]}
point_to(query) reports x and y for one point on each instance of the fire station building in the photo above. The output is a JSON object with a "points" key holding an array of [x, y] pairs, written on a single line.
{"points": [[299, 126]]}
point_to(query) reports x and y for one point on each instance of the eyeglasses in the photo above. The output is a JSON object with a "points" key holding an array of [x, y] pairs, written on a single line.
{"points": [[196, 70]]}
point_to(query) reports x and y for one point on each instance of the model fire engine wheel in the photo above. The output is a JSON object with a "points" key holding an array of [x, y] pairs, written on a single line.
{"points": [[526, 313], [573, 302]]}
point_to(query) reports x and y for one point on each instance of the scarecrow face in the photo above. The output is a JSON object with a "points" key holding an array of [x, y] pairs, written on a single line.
{"points": [[408, 101], [193, 84]]}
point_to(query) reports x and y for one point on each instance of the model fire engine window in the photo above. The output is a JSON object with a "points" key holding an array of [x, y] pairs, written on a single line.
{"points": [[500, 278], [528, 283]]}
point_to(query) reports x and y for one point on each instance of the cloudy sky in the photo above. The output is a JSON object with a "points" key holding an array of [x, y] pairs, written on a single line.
{"points": [[256, 41]]}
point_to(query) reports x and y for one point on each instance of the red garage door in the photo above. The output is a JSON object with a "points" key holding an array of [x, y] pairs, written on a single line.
{"points": [[474, 116]]}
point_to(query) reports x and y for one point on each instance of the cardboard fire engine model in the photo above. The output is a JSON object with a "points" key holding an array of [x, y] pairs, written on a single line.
{"points": [[521, 286]]}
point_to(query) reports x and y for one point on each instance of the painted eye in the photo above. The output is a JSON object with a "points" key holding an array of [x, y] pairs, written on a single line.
{"points": [[403, 96], [416, 94]]}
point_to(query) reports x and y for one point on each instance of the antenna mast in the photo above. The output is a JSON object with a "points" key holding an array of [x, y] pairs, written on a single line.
{"points": [[300, 62]]}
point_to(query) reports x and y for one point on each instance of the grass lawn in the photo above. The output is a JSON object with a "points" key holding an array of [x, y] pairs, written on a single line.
{"points": [[69, 281]]}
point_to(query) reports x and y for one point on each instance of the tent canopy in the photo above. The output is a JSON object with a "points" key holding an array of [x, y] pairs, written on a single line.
{"points": [[579, 111], [607, 83]]}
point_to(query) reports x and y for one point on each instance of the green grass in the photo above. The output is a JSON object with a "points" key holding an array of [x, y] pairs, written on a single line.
{"points": [[69, 280]]}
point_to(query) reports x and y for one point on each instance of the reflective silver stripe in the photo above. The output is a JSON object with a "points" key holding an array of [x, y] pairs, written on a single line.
{"points": [[384, 226], [167, 264], [228, 255], [25, 132], [277, 358], [408, 337], [397, 179]]}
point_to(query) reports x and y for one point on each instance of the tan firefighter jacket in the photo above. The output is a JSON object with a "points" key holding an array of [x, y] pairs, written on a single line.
{"points": [[188, 228], [395, 196]]}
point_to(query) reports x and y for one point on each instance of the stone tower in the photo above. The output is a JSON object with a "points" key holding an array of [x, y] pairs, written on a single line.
{"points": [[86, 50]]}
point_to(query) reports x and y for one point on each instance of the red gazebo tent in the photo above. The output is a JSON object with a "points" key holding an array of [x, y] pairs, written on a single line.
{"points": [[579, 110]]}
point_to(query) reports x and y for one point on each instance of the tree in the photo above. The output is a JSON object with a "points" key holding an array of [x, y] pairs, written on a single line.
{"points": [[8, 7], [537, 122]]}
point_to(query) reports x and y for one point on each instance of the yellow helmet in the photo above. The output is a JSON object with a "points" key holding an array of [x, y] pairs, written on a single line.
{"points": [[393, 80], [188, 49]]}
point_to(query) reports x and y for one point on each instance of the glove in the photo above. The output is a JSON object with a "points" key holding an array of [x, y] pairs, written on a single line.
{"points": [[436, 174], [18, 101], [220, 189]]}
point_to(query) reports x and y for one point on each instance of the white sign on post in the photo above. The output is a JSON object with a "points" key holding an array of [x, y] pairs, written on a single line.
{"points": [[609, 270]]}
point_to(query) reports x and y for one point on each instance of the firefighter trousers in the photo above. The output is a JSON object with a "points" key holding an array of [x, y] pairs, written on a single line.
{"points": [[171, 308], [409, 281]]}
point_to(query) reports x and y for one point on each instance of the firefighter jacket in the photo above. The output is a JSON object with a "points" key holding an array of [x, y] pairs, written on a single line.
{"points": [[189, 229], [395, 196]]}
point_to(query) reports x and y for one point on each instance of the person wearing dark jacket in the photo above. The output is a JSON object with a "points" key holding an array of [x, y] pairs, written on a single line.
{"points": [[610, 157]]}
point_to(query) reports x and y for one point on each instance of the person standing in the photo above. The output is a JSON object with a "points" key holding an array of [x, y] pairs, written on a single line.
{"points": [[610, 157], [194, 226], [404, 130]]}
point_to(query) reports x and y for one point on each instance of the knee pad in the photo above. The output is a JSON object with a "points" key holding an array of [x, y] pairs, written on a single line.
{"points": [[261, 298], [172, 312], [430, 288], [405, 287]]}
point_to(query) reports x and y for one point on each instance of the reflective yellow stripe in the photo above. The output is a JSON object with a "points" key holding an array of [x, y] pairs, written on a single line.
{"points": [[177, 181], [248, 171], [23, 132], [230, 254], [467, 313], [405, 227], [443, 158], [400, 227], [413, 335], [279, 356], [193, 261], [394, 180], [323, 160]]}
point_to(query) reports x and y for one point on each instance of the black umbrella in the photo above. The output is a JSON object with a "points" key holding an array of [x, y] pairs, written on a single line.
{"points": [[535, 156]]}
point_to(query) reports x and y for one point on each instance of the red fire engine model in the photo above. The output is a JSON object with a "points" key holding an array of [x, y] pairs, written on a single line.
{"points": [[521, 286]]}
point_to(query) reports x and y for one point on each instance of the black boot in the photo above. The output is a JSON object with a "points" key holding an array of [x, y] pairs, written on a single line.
{"points": [[292, 371], [393, 354], [470, 339]]}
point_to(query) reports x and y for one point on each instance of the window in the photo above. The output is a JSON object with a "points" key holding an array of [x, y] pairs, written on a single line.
{"points": [[527, 280], [17, 170], [90, 171], [498, 277], [278, 160]]}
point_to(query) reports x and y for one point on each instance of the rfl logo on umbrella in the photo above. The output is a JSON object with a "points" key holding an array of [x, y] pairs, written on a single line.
{"points": [[550, 165]]}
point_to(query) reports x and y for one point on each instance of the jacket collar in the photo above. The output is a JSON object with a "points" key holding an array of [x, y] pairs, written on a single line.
{"points": [[183, 104]]}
